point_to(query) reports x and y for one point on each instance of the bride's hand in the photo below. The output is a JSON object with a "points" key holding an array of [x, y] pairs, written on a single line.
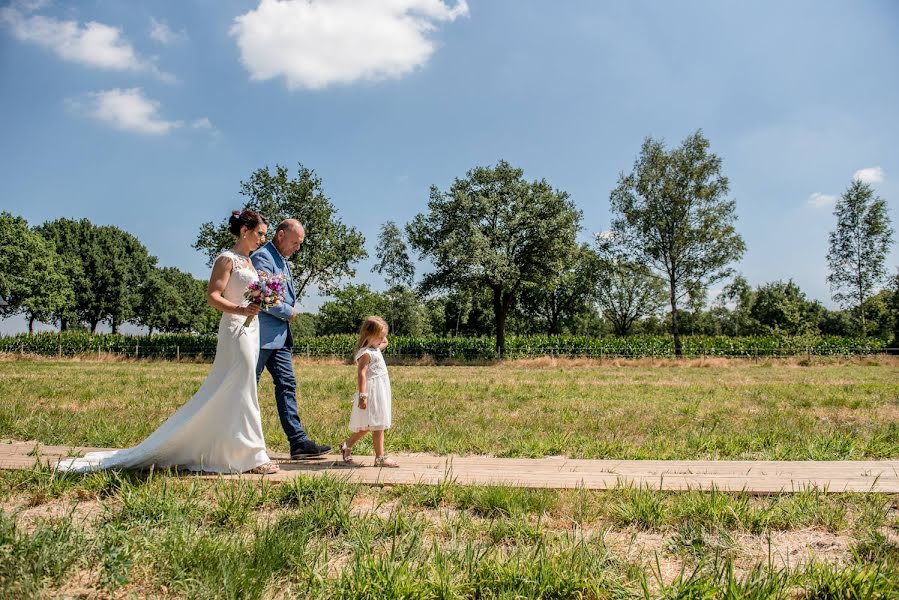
{"points": [[250, 310]]}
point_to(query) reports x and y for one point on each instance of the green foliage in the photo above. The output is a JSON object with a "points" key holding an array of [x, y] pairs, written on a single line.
{"points": [[330, 249], [858, 248], [106, 266], [671, 214], [32, 280], [552, 305], [393, 258], [462, 348], [350, 306], [495, 230], [174, 302], [782, 306], [626, 290]]}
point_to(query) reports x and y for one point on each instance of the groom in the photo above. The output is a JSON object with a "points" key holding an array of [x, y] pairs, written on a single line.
{"points": [[276, 340]]}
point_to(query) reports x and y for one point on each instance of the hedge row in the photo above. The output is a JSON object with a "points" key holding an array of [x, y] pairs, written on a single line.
{"points": [[465, 348]]}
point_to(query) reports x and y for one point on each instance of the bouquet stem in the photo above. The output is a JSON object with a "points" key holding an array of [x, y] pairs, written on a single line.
{"points": [[248, 321]]}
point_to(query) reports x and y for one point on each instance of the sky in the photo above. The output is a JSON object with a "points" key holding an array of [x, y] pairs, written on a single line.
{"points": [[147, 115]]}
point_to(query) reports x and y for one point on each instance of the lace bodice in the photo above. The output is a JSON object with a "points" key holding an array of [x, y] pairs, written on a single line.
{"points": [[377, 367], [242, 275]]}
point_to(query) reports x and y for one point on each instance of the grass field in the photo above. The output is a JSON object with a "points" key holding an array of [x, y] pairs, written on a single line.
{"points": [[138, 535], [725, 409]]}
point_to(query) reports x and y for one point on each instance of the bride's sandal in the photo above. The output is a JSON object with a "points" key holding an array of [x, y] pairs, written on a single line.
{"points": [[384, 461], [268, 468], [346, 453]]}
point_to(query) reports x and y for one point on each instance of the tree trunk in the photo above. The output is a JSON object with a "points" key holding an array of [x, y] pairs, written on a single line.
{"points": [[675, 325], [500, 318], [30, 325], [115, 327], [63, 325], [150, 331], [93, 326], [502, 302]]}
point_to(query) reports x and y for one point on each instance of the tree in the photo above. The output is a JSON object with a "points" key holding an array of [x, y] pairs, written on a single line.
{"points": [[672, 215], [31, 278], [350, 306], [894, 306], [330, 248], [738, 293], [858, 248], [124, 265], [626, 290], [106, 266], [393, 258], [405, 312], [782, 306], [495, 230], [74, 242], [172, 301], [554, 304]]}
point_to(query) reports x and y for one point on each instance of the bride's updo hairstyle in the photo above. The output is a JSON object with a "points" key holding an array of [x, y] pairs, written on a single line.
{"points": [[248, 218]]}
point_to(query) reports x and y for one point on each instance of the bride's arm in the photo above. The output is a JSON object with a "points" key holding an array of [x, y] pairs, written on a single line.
{"points": [[218, 281]]}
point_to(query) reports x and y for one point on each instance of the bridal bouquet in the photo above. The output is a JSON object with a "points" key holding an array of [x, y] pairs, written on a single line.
{"points": [[267, 292]]}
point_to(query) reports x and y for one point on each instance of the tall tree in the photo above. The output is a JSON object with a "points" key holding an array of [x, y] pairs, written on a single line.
{"points": [[492, 229], [119, 276], [393, 258], [75, 243], [858, 248], [671, 213], [330, 249], [31, 278], [894, 306], [556, 302]]}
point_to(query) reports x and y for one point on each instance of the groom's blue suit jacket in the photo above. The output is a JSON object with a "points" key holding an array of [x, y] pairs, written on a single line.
{"points": [[274, 323]]}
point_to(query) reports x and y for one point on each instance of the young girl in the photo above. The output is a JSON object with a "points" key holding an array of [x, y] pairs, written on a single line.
{"points": [[371, 404]]}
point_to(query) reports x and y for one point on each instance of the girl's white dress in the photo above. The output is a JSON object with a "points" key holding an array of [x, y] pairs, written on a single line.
{"points": [[377, 415], [220, 428]]}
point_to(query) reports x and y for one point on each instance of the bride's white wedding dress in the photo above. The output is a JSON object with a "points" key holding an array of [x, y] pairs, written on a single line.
{"points": [[218, 430]]}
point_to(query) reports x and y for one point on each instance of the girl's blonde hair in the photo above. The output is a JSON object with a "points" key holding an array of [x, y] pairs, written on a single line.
{"points": [[371, 327]]}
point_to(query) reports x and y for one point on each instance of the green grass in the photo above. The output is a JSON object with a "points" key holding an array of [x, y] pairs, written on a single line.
{"points": [[735, 410], [322, 537], [158, 535]]}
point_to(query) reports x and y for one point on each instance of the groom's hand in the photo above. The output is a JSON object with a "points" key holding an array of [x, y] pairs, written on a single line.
{"points": [[293, 315]]}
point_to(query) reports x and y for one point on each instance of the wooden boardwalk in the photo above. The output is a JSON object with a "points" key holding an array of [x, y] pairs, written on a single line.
{"points": [[762, 477]]}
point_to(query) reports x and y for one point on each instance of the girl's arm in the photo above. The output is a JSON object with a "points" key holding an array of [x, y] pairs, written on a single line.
{"points": [[218, 281], [362, 378]]}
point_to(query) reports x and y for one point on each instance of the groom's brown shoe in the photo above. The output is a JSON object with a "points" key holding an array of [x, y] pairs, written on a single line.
{"points": [[308, 449]]}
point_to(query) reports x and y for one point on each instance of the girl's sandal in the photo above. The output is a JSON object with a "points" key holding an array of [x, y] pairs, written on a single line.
{"points": [[384, 461], [346, 453], [268, 468]]}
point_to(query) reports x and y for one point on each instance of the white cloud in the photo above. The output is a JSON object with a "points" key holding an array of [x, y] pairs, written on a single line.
{"points": [[93, 44], [869, 175], [162, 33], [819, 200], [202, 123], [606, 235], [126, 110], [317, 43]]}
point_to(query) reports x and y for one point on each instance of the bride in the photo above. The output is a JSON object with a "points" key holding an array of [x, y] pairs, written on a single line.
{"points": [[220, 429]]}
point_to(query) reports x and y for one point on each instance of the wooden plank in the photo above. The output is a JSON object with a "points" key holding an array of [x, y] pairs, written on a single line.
{"points": [[558, 472]]}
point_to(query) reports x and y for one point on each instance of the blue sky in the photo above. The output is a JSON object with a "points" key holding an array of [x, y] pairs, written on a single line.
{"points": [[147, 115]]}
